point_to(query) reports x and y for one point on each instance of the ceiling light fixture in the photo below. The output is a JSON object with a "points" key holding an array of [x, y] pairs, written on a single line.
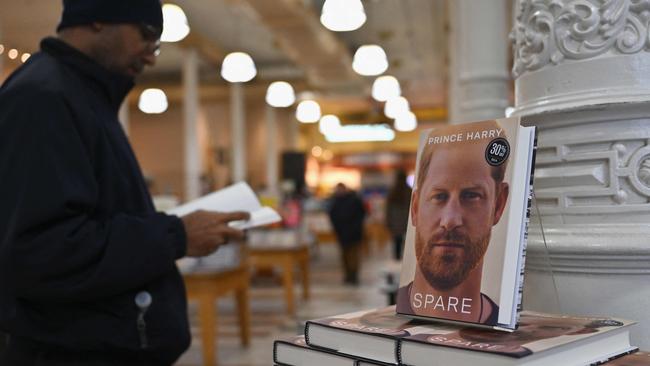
{"points": [[317, 151], [343, 15], [328, 124], [175, 24], [13, 53], [2, 49], [238, 67], [396, 106], [280, 94], [153, 101], [385, 87], [308, 111], [25, 57], [361, 133], [406, 122], [370, 60]]}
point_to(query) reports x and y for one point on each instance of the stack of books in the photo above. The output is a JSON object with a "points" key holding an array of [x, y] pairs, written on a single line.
{"points": [[459, 296], [381, 337]]}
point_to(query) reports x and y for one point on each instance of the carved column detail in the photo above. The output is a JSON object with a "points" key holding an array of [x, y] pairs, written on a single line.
{"points": [[562, 45], [600, 168], [582, 70]]}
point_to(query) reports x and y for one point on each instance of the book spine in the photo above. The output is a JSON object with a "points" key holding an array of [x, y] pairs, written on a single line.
{"points": [[398, 351], [306, 332], [601, 362], [529, 204], [275, 354], [317, 346]]}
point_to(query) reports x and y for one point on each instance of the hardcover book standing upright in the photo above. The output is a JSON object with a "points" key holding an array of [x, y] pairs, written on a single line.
{"points": [[465, 243]]}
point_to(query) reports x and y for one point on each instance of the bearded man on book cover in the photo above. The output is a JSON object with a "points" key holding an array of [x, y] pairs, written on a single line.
{"points": [[536, 333], [458, 198]]}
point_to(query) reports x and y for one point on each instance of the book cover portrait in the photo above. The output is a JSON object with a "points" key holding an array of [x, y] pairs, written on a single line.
{"points": [[536, 333], [458, 227]]}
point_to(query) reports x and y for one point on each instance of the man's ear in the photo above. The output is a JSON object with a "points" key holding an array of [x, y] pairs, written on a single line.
{"points": [[500, 203], [414, 206]]}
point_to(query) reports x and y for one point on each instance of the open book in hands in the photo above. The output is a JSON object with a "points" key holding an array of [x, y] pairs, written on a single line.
{"points": [[237, 197]]}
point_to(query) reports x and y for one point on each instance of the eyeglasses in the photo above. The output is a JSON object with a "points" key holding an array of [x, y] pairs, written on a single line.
{"points": [[151, 35]]}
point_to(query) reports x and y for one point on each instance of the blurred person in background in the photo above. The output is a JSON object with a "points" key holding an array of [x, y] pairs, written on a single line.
{"points": [[87, 266], [346, 212], [397, 212]]}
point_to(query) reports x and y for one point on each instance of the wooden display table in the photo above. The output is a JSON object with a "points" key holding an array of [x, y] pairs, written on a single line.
{"points": [[323, 237], [286, 258], [376, 236], [206, 288]]}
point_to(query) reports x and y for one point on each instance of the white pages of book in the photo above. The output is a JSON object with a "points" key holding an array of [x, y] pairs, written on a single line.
{"points": [[237, 197]]}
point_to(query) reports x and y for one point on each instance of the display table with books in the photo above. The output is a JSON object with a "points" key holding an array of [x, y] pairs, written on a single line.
{"points": [[282, 249], [223, 273]]}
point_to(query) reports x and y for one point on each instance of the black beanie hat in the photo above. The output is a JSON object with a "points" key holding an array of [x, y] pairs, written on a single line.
{"points": [[79, 12]]}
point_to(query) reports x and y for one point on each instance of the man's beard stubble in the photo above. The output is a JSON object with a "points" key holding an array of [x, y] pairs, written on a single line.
{"points": [[446, 271], [105, 55]]}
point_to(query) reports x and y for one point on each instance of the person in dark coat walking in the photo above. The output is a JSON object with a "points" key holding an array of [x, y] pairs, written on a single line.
{"points": [[87, 266], [397, 212], [346, 213]]}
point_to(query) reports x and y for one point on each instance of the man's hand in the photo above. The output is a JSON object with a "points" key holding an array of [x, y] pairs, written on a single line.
{"points": [[207, 230]]}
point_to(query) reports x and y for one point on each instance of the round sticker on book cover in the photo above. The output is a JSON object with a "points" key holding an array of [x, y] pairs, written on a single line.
{"points": [[497, 151]]}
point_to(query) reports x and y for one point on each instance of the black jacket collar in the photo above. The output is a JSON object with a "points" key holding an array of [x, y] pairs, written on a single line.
{"points": [[115, 86]]}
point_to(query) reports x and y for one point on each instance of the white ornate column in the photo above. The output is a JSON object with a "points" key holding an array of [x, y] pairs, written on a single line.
{"points": [[238, 138], [192, 150], [479, 78], [582, 71]]}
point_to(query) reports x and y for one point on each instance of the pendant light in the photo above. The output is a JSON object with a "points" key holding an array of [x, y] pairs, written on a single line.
{"points": [[280, 94], [370, 60], [328, 124], [395, 107], [406, 122], [175, 24], [153, 101], [385, 87], [238, 67], [308, 111], [342, 15]]}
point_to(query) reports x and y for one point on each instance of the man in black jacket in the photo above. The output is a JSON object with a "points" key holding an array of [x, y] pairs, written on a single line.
{"points": [[87, 267], [346, 213]]}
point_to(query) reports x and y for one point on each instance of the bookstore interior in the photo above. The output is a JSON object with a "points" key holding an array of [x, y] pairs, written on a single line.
{"points": [[374, 234]]}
